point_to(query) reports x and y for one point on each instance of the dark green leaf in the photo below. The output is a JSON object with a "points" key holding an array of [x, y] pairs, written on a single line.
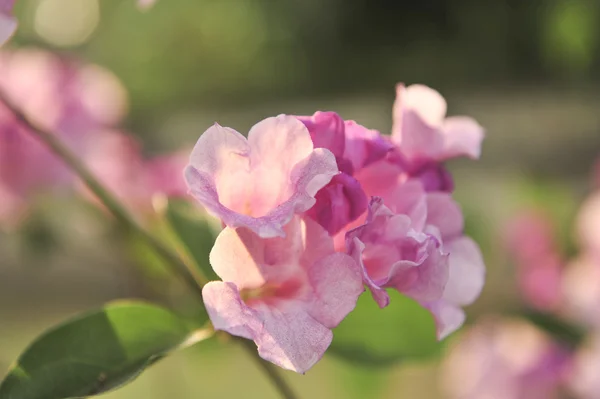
{"points": [[375, 336], [563, 332], [95, 352], [195, 234]]}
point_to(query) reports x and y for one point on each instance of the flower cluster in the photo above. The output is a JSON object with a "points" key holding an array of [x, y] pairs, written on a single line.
{"points": [[81, 104], [315, 208]]}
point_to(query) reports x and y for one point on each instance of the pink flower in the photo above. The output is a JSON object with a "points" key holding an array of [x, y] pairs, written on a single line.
{"points": [[585, 380], [116, 159], [426, 229], [505, 359], [286, 294], [392, 254], [343, 200], [262, 181], [581, 290], [8, 23], [424, 134]]}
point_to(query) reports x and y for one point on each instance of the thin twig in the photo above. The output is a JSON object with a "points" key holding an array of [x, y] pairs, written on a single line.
{"points": [[269, 369], [186, 272]]}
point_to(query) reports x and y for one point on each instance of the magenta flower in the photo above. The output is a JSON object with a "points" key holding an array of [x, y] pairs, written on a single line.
{"points": [[343, 200], [262, 181], [8, 23], [286, 294], [424, 134]]}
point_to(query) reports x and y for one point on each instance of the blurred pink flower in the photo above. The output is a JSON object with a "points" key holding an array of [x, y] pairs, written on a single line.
{"points": [[146, 4], [286, 294], [343, 200], [505, 359], [585, 379], [8, 23], [262, 181], [116, 159], [581, 291], [69, 99], [539, 264]]}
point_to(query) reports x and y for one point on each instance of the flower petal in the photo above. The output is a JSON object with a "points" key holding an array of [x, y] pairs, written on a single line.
{"points": [[337, 284], [445, 214], [228, 312], [260, 183], [326, 131], [339, 203], [467, 271], [463, 137], [244, 258], [448, 317], [291, 339], [364, 146]]}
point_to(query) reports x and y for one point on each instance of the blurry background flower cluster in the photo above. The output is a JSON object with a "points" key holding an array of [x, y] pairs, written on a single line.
{"points": [[131, 91]]}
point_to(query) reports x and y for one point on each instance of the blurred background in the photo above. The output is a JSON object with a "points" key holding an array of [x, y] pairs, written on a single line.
{"points": [[528, 71]]}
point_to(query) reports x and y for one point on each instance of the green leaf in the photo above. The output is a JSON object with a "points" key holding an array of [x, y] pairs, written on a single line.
{"points": [[194, 232], [380, 337], [95, 352]]}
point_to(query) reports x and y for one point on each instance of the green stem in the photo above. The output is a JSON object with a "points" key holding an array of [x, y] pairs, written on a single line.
{"points": [[187, 272], [278, 381]]}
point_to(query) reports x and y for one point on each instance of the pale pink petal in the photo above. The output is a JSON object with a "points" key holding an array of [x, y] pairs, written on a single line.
{"points": [[337, 284], [448, 317], [445, 214], [418, 141], [228, 312], [286, 336], [427, 103], [467, 271], [422, 132], [291, 338], [242, 257], [8, 23], [339, 203], [380, 178], [410, 199], [424, 279], [326, 131], [355, 248], [463, 137], [262, 182]]}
